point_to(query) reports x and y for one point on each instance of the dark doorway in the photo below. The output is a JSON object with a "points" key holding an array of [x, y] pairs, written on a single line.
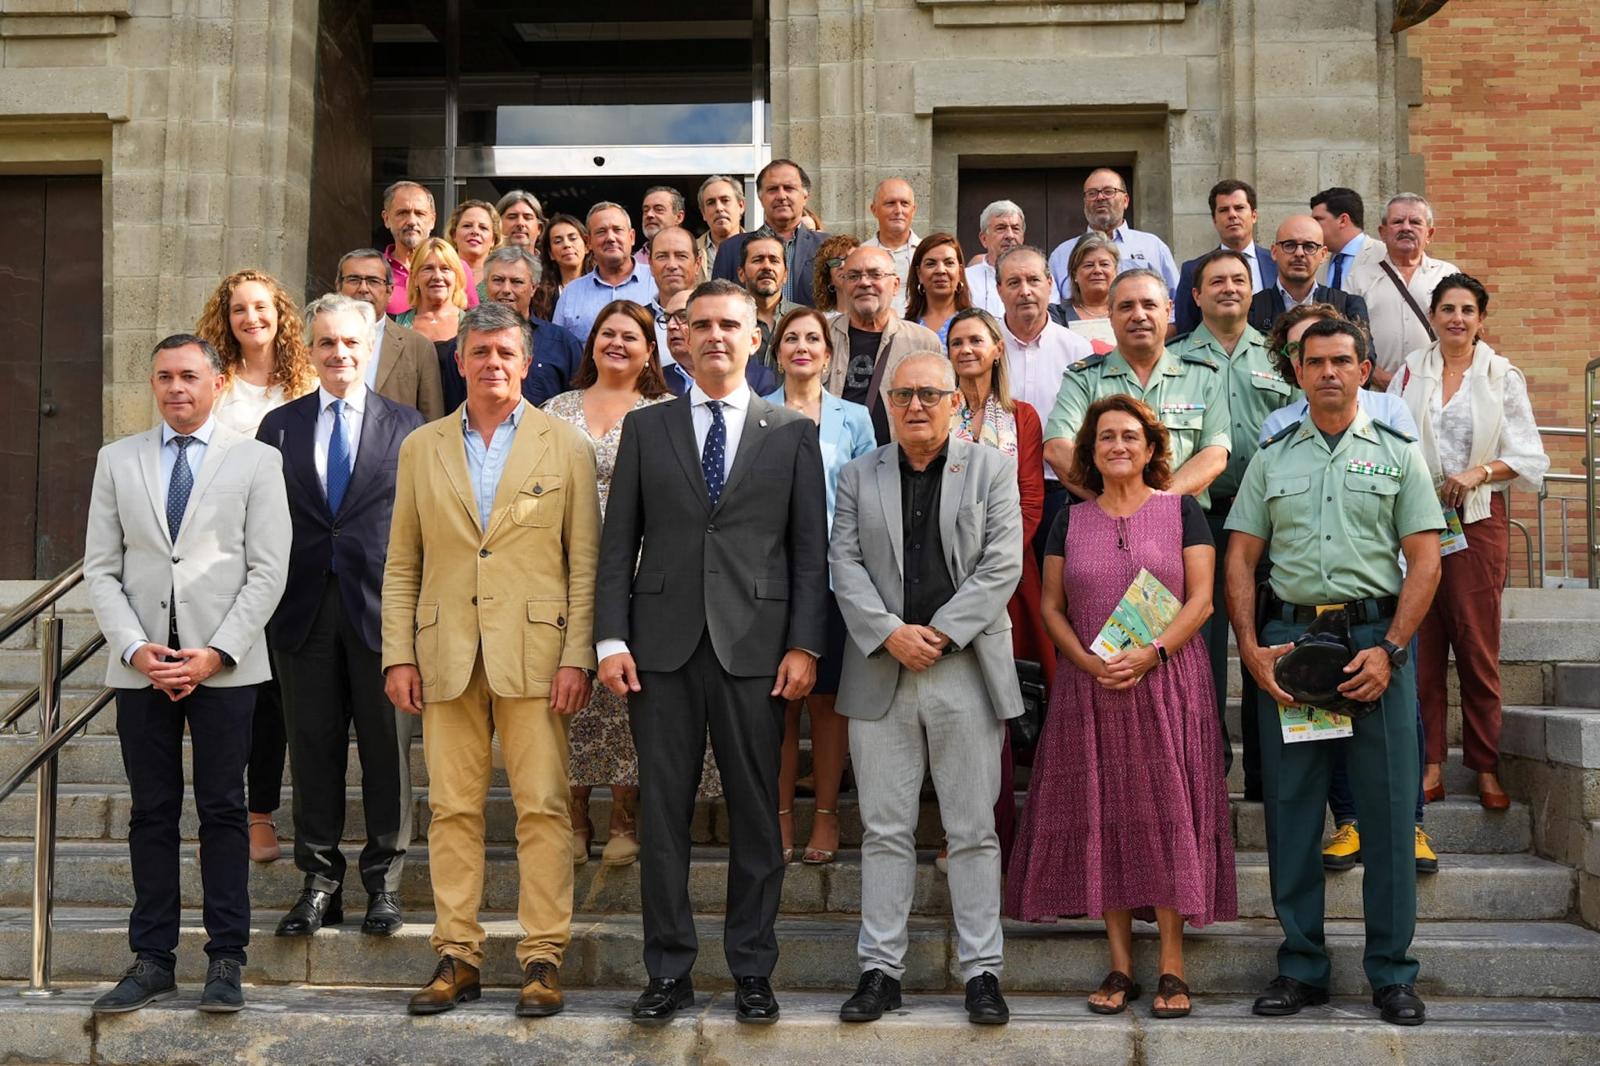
{"points": [[1051, 199], [51, 369]]}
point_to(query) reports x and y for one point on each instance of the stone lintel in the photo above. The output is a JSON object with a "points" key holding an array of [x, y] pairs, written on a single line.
{"points": [[1119, 82]]}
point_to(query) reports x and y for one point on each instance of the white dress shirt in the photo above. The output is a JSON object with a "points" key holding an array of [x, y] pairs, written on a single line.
{"points": [[370, 374], [985, 289], [1036, 367], [1249, 253], [355, 405], [195, 454], [1396, 329]]}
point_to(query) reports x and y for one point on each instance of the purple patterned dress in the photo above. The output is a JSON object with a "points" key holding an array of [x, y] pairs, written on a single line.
{"points": [[1128, 807]]}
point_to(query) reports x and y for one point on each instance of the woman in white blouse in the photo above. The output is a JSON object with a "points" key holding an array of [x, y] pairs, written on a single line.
{"points": [[1478, 434]]}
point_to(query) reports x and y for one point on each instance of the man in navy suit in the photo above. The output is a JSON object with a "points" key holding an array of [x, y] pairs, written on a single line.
{"points": [[1233, 214], [340, 446], [1298, 253], [784, 188]]}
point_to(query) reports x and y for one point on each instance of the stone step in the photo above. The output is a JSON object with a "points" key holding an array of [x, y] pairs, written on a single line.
{"points": [[1488, 887], [1577, 684], [303, 1026], [1551, 960], [98, 812], [20, 666]]}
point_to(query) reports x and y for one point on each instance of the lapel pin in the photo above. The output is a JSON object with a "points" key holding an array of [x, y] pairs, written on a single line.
{"points": [[762, 423], [955, 468]]}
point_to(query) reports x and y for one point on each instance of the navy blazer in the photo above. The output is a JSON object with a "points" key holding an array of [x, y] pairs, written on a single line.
{"points": [[556, 356], [1268, 305], [353, 542], [806, 243], [1187, 312]]}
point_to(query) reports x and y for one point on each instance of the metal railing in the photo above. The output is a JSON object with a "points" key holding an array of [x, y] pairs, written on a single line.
{"points": [[53, 736], [1590, 426]]}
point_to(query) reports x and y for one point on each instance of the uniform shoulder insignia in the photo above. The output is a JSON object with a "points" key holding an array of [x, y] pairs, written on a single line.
{"points": [[1387, 428], [1199, 357], [1282, 433], [1179, 339], [1086, 363]]}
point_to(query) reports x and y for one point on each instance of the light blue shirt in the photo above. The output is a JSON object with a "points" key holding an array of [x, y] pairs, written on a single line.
{"points": [[487, 461], [1379, 406], [845, 433], [582, 300], [1348, 253], [1137, 250], [196, 453]]}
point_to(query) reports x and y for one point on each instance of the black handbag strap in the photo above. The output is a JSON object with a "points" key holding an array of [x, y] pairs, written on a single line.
{"points": [[1411, 301]]}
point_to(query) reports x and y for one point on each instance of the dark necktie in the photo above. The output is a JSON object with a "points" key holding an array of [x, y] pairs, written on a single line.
{"points": [[712, 454], [1337, 274], [179, 486], [338, 459]]}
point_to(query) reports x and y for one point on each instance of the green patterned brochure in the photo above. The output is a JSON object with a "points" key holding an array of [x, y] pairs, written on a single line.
{"points": [[1452, 538], [1302, 723], [1146, 610]]}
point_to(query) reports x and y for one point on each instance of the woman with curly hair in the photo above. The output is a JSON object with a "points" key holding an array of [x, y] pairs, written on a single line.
{"points": [[827, 276], [563, 258], [473, 231], [253, 323]]}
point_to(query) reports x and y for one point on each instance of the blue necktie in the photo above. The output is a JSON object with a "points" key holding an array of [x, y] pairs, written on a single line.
{"points": [[338, 459], [178, 488], [1338, 271], [712, 454]]}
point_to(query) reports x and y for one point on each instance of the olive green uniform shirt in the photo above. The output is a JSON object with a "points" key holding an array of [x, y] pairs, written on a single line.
{"points": [[1255, 390], [1333, 518], [1187, 392]]}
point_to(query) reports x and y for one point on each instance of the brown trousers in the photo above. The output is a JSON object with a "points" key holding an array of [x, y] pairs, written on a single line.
{"points": [[1465, 618]]}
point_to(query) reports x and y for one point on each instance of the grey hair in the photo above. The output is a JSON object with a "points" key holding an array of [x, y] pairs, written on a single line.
{"points": [[1409, 198], [407, 183], [515, 253], [736, 185], [1087, 245], [722, 287], [520, 196], [1136, 272], [947, 368], [184, 340], [334, 303], [996, 210], [1022, 249], [677, 197], [366, 253], [607, 205], [489, 317]]}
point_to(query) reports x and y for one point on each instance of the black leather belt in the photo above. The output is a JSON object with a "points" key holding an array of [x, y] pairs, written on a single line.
{"points": [[1362, 612]]}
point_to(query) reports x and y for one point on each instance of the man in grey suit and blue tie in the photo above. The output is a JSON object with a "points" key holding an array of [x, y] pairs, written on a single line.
{"points": [[926, 552], [185, 559]]}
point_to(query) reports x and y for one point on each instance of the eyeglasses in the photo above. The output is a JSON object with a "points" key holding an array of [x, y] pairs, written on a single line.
{"points": [[835, 263], [1291, 350], [673, 318], [926, 396], [853, 276], [1307, 247], [363, 281], [1104, 192]]}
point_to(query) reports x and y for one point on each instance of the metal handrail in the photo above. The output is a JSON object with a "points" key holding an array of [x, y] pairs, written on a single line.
{"points": [[1592, 523], [30, 697], [43, 598]]}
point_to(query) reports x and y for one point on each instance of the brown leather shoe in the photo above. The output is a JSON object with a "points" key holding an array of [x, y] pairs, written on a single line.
{"points": [[453, 982], [541, 990]]}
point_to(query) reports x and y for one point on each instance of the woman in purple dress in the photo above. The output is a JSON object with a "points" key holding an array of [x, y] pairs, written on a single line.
{"points": [[1127, 811]]}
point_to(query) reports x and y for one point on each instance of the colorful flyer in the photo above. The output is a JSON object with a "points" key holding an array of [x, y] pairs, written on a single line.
{"points": [[1146, 610], [1301, 723], [1452, 538]]}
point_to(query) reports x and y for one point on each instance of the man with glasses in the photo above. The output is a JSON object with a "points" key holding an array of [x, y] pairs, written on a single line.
{"points": [[869, 339], [1298, 253], [1105, 208], [405, 366], [929, 678]]}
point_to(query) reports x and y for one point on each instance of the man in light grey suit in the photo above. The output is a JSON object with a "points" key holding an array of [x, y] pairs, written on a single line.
{"points": [[186, 557], [925, 553]]}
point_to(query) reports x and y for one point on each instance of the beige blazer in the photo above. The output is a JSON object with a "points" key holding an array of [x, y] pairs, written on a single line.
{"points": [[224, 574], [408, 370], [900, 338], [523, 589]]}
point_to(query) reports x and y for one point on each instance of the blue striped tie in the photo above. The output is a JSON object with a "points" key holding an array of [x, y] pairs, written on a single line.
{"points": [[338, 459], [711, 455], [179, 487]]}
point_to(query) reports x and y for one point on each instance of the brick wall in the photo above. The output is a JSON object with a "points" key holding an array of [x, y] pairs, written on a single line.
{"points": [[1507, 133]]}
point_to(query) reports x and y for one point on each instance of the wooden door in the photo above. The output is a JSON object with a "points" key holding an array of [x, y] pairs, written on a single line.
{"points": [[1051, 199], [51, 369]]}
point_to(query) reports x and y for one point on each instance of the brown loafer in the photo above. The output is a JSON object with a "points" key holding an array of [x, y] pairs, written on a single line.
{"points": [[453, 982], [541, 990]]}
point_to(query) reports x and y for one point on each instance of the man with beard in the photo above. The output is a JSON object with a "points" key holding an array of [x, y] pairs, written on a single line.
{"points": [[616, 276], [1105, 208], [409, 216], [1298, 253], [1001, 227], [722, 209], [1400, 286], [521, 219], [762, 273]]}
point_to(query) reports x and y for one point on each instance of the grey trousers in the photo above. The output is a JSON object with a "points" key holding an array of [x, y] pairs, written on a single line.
{"points": [[940, 717]]}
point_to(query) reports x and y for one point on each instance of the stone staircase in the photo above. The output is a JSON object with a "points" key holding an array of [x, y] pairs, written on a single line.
{"points": [[1506, 935]]}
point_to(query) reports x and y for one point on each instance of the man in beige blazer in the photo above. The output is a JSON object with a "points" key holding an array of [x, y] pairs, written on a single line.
{"points": [[185, 559], [488, 603], [404, 365]]}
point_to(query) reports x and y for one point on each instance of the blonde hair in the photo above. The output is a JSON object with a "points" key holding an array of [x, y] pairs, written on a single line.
{"points": [[461, 209], [446, 252], [291, 366]]}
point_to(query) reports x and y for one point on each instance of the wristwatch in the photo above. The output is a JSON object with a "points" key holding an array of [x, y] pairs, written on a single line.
{"points": [[1398, 656]]}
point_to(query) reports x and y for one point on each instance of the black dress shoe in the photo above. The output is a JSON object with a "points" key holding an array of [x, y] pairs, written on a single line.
{"points": [[222, 994], [985, 1004], [383, 915], [313, 910], [755, 1003], [1400, 1005], [143, 983], [1286, 996], [662, 998], [876, 993]]}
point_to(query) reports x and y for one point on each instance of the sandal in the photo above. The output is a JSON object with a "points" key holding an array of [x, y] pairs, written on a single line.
{"points": [[1169, 986], [1116, 981], [820, 856], [788, 852]]}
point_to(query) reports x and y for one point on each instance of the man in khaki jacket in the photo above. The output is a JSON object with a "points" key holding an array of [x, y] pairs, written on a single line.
{"points": [[488, 598], [869, 339]]}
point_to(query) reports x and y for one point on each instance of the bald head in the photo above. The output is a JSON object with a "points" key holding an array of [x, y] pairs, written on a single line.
{"points": [[870, 283], [913, 366], [894, 205], [1298, 251]]}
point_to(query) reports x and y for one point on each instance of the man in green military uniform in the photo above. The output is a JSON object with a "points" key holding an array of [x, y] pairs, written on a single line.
{"points": [[1255, 390], [1335, 500], [1187, 392]]}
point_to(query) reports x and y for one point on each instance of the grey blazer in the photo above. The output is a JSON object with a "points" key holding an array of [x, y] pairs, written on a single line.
{"points": [[980, 522], [226, 571]]}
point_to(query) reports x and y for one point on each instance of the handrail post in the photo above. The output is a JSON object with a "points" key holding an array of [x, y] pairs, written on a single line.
{"points": [[44, 832], [1591, 524]]}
